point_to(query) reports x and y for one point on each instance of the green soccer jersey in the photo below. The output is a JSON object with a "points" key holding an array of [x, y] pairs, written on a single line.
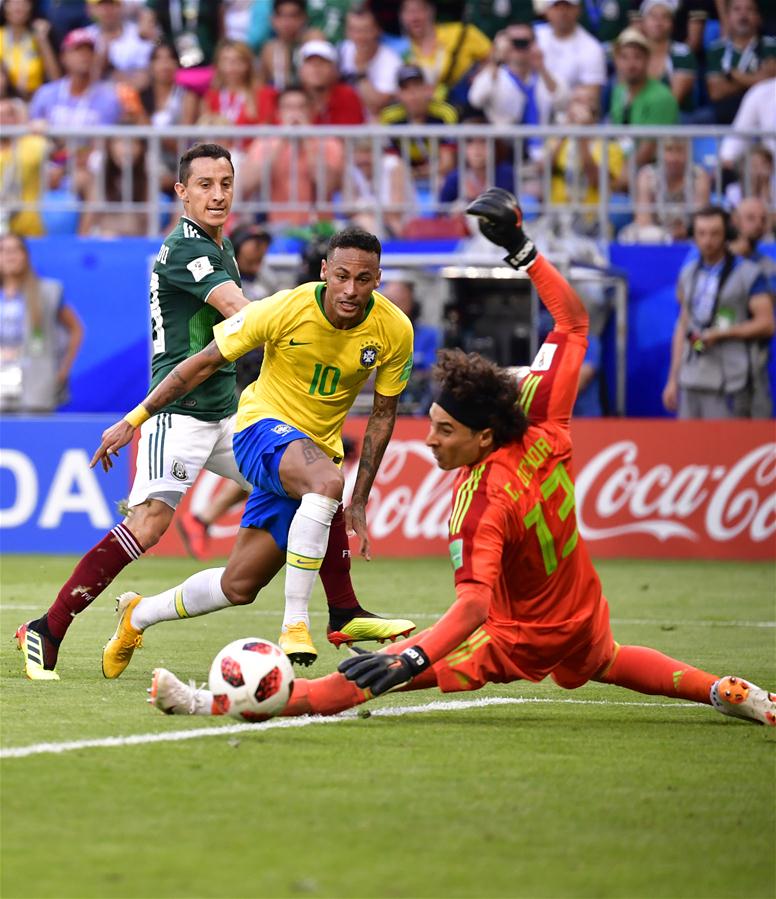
{"points": [[188, 267]]}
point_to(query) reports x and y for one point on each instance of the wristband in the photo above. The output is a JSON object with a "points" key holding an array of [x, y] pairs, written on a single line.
{"points": [[137, 416], [416, 659], [524, 257]]}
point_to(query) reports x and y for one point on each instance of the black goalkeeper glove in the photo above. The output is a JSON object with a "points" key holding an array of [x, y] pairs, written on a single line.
{"points": [[382, 671], [501, 221]]}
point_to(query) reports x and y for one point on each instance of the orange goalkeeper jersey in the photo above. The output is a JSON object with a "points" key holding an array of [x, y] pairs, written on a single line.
{"points": [[513, 526]]}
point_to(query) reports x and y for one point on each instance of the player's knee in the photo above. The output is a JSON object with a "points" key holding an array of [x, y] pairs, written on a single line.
{"points": [[148, 522], [239, 591], [331, 484]]}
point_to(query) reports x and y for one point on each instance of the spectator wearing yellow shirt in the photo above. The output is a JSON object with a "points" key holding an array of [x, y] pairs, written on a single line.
{"points": [[25, 50], [447, 51], [575, 162], [22, 176]]}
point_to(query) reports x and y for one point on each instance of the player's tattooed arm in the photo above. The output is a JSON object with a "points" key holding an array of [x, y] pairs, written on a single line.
{"points": [[378, 433], [181, 380], [185, 377]]}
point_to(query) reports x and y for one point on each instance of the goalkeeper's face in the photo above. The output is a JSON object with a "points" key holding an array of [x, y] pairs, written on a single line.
{"points": [[454, 444]]}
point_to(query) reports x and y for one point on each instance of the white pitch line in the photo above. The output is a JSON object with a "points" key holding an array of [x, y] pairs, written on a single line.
{"points": [[434, 616], [17, 752]]}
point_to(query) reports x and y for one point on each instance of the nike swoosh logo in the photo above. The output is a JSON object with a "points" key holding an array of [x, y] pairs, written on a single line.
{"points": [[293, 342]]}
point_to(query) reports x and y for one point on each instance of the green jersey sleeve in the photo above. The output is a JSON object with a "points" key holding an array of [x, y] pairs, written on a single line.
{"points": [[197, 267], [683, 59]]}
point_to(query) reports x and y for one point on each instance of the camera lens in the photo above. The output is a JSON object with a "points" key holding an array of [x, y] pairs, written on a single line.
{"points": [[521, 43]]}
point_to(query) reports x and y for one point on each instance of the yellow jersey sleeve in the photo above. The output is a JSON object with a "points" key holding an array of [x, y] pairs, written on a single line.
{"points": [[251, 327], [393, 374]]}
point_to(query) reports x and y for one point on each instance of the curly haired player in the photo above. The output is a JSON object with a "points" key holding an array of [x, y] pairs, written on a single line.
{"points": [[529, 603]]}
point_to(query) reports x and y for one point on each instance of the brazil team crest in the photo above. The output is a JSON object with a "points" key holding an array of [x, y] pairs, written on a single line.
{"points": [[368, 357]]}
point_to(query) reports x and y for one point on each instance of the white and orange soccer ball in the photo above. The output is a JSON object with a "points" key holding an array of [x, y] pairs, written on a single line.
{"points": [[251, 679]]}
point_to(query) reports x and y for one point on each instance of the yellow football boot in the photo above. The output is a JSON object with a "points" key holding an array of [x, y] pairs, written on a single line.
{"points": [[117, 652], [297, 644]]}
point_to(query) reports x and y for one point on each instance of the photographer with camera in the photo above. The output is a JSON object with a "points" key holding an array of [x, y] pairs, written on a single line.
{"points": [[515, 87], [725, 308]]}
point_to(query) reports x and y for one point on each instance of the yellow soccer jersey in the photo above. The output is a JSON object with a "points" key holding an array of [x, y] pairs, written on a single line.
{"points": [[312, 371]]}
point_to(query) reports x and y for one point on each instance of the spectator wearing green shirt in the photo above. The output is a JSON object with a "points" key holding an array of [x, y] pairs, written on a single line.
{"points": [[738, 61], [638, 99], [670, 61]]}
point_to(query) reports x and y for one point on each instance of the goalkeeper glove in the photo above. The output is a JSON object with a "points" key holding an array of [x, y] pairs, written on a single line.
{"points": [[382, 671], [501, 221]]}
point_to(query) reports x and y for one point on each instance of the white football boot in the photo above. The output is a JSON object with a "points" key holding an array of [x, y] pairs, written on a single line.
{"points": [[171, 696], [743, 699]]}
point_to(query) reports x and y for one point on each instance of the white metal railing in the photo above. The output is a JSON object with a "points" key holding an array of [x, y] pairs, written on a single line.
{"points": [[361, 186]]}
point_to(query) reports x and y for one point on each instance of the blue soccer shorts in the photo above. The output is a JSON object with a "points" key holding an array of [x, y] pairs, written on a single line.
{"points": [[258, 450]]}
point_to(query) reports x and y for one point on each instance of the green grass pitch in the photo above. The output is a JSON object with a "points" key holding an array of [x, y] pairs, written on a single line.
{"points": [[595, 793]]}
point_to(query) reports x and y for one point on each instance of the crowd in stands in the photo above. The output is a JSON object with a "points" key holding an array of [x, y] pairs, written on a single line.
{"points": [[416, 63]]}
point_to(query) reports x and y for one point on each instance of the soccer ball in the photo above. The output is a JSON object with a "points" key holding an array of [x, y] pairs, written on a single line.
{"points": [[251, 679]]}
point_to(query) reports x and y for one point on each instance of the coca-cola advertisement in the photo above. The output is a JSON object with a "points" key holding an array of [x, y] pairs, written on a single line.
{"points": [[644, 488]]}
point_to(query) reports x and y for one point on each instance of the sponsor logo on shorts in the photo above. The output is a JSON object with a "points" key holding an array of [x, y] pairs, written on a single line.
{"points": [[456, 554], [178, 470], [368, 356], [282, 429], [544, 357]]}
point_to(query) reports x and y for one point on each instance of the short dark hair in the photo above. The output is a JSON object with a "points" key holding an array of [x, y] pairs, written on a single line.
{"points": [[708, 212], [200, 151], [476, 381], [300, 4], [355, 238]]}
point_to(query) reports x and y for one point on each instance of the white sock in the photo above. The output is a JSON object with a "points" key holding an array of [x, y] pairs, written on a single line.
{"points": [[308, 538], [197, 595]]}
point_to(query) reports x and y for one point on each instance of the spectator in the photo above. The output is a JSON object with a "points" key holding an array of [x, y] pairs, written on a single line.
{"points": [[328, 18], [757, 112], [668, 195], [331, 102], [237, 20], [738, 61], [65, 16], [515, 86], [670, 62], [390, 187], [417, 106], [426, 340], [605, 19], [121, 51], [751, 221], [259, 280], [123, 180], [576, 163], [757, 180], [445, 52], [303, 173], [477, 174], [77, 99], [725, 309], [691, 19], [492, 17], [233, 95], [573, 56], [277, 61], [194, 29], [25, 49], [34, 323], [163, 99], [366, 63], [22, 172], [638, 99]]}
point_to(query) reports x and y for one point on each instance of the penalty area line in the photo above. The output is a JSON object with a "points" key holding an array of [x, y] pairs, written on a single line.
{"points": [[450, 705]]}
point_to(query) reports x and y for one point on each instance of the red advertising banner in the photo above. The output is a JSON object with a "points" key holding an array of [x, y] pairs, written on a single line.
{"points": [[645, 488]]}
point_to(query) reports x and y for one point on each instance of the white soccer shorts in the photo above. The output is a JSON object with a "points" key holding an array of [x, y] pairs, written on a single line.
{"points": [[173, 450]]}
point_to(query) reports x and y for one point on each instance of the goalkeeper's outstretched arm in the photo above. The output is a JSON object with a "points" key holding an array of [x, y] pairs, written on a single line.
{"points": [[501, 221]]}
